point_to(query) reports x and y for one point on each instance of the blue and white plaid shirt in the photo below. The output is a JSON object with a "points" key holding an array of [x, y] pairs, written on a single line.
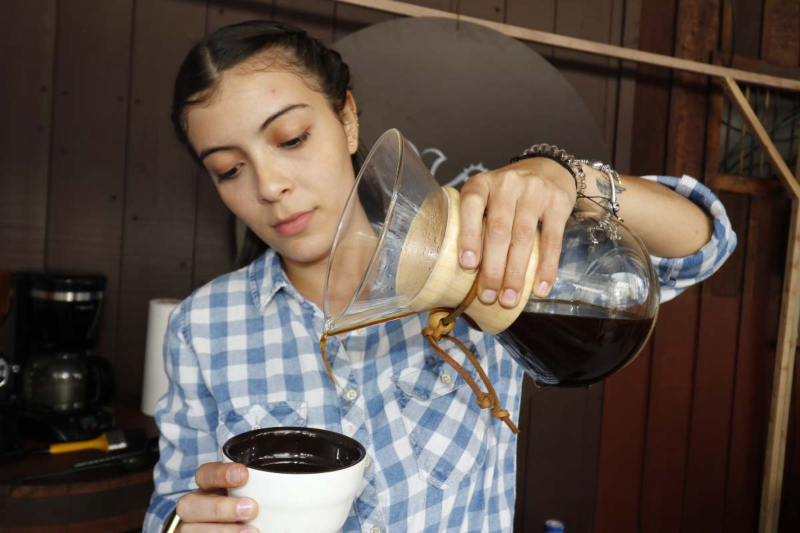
{"points": [[243, 352]]}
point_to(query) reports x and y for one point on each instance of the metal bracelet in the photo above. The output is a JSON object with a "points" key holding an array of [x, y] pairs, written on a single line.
{"points": [[566, 159], [172, 523], [614, 183]]}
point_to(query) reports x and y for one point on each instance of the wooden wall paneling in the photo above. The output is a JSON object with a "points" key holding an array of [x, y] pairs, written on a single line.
{"points": [[720, 310], [696, 37], [85, 197], [669, 413], [314, 16], [675, 347], [780, 45], [615, 36], [485, 9], [712, 397], [622, 444], [749, 15], [765, 250], [651, 108], [627, 393], [748, 28], [26, 97], [780, 41], [536, 15], [626, 89], [592, 76], [561, 457], [161, 179], [214, 240]]}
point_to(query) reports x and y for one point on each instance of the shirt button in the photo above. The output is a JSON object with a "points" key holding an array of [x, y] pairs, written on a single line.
{"points": [[375, 530], [351, 395], [367, 462], [445, 379]]}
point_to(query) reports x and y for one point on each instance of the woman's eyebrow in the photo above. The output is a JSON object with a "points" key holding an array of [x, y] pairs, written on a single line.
{"points": [[280, 113], [208, 151]]}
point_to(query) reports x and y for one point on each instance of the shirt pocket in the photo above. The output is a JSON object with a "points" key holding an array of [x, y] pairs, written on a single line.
{"points": [[233, 422], [448, 432]]}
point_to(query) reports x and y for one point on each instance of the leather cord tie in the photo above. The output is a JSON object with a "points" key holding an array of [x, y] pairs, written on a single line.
{"points": [[441, 323]]}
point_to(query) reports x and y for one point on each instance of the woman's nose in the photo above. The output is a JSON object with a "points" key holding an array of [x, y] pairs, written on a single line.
{"points": [[272, 185]]}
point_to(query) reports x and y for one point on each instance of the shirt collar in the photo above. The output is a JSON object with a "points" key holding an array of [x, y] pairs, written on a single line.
{"points": [[267, 278]]}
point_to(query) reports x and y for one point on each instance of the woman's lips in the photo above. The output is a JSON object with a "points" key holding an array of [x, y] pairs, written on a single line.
{"points": [[295, 225]]}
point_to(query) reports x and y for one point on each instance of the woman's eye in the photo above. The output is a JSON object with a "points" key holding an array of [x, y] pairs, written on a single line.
{"points": [[229, 174], [296, 142]]}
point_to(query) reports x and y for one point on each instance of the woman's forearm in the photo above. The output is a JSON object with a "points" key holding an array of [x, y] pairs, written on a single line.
{"points": [[669, 224]]}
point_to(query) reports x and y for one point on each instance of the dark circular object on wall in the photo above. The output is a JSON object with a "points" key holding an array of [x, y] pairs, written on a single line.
{"points": [[468, 97]]}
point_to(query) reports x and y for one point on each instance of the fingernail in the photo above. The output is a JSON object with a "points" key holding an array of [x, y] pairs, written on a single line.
{"points": [[488, 296], [234, 475], [509, 297], [244, 508], [541, 290], [469, 259]]}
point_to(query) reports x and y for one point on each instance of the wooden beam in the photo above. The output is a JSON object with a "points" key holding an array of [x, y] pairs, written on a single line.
{"points": [[787, 330], [782, 385], [583, 45]]}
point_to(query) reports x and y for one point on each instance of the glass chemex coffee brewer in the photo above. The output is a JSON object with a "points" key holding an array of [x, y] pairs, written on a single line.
{"points": [[395, 254]]}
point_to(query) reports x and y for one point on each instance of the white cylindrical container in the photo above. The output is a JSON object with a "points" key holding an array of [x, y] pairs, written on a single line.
{"points": [[155, 381]]}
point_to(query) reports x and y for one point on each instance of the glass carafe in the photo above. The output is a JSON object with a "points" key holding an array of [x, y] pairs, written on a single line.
{"points": [[395, 253]]}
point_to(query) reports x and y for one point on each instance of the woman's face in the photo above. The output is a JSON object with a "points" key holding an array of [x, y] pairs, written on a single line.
{"points": [[279, 156]]}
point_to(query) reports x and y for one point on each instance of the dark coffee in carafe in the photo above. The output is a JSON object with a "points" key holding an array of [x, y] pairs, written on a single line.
{"points": [[576, 349]]}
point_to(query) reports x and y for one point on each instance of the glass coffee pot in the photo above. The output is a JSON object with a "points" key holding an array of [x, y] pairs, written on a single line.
{"points": [[395, 253]]}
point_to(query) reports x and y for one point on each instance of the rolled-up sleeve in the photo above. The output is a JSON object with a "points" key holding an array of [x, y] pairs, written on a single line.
{"points": [[187, 418], [676, 274]]}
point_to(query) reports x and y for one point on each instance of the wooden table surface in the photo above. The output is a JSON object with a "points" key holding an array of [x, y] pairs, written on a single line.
{"points": [[109, 499]]}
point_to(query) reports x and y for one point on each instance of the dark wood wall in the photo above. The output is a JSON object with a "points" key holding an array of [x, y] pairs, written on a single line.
{"points": [[91, 179], [684, 427]]}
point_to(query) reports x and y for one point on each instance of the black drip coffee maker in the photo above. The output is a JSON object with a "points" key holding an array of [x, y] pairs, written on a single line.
{"points": [[64, 385], [9, 370]]}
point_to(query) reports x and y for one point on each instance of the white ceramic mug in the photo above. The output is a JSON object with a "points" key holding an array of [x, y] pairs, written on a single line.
{"points": [[316, 502]]}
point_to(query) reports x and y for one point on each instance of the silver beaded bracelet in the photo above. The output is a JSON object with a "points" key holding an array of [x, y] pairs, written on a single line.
{"points": [[568, 161]]}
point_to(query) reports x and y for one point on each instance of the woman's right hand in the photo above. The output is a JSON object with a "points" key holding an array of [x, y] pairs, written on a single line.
{"points": [[210, 509]]}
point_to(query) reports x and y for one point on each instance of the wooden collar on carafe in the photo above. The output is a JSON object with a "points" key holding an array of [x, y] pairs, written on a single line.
{"points": [[441, 322]]}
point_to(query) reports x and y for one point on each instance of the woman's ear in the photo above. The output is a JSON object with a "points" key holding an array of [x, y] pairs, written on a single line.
{"points": [[349, 117]]}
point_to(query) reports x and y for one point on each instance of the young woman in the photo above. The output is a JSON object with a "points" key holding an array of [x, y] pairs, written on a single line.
{"points": [[268, 112]]}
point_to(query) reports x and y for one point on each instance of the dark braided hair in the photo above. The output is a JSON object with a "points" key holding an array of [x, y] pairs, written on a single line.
{"points": [[202, 70]]}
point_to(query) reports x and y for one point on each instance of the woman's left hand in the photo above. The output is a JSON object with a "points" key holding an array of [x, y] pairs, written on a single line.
{"points": [[515, 198]]}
